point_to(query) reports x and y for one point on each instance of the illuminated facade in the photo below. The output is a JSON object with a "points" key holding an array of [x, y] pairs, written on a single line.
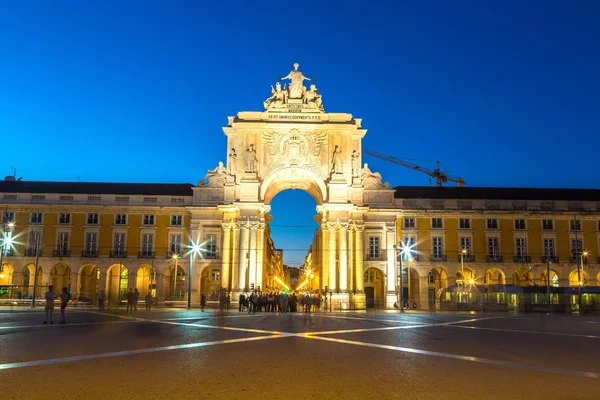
{"points": [[116, 236]]}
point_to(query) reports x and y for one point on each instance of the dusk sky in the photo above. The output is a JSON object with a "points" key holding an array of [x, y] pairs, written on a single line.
{"points": [[503, 93]]}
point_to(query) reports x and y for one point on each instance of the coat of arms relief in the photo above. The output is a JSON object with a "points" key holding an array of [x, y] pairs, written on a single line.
{"points": [[294, 148]]}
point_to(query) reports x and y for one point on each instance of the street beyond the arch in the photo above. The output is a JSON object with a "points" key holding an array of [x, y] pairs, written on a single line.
{"points": [[179, 354]]}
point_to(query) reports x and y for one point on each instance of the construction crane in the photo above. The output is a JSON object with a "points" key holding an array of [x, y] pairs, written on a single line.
{"points": [[440, 177]]}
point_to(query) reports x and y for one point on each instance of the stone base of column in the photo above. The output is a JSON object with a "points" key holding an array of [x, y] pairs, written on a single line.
{"points": [[390, 299], [340, 302], [358, 301]]}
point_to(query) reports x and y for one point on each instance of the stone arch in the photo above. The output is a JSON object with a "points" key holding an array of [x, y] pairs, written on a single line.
{"points": [[146, 279], [411, 286], [117, 283], [554, 278], [27, 280], [293, 178], [574, 278], [7, 274], [210, 282], [469, 277], [494, 276], [374, 287], [60, 276], [175, 285], [437, 279], [523, 277], [88, 281]]}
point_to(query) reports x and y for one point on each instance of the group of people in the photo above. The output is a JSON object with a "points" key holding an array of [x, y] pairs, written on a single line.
{"points": [[51, 297], [278, 302], [133, 298]]}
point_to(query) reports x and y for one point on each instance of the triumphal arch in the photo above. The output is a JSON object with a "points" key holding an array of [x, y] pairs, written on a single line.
{"points": [[294, 143]]}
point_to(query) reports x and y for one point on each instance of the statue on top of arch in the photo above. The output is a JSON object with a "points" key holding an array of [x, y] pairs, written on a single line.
{"points": [[296, 90]]}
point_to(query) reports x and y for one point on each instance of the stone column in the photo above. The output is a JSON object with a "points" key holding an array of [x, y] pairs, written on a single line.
{"points": [[260, 232], [75, 286], [235, 266], [253, 256], [332, 251], [102, 282], [324, 256], [343, 234], [350, 256], [390, 240], [243, 255], [359, 258], [226, 256], [158, 280]]}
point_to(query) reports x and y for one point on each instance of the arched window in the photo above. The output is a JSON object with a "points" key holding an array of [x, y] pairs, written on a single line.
{"points": [[555, 280]]}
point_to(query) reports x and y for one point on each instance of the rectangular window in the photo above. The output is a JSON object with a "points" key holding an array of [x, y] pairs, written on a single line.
{"points": [[177, 200], [464, 223], [175, 244], [576, 249], [176, 220], [38, 198], [121, 219], [211, 246], [575, 225], [63, 243], [521, 247], [549, 248], [64, 218], [122, 199], [493, 248], [32, 242], [92, 219], [119, 245], [374, 247], [150, 199], [465, 244], [8, 217], [520, 224], [94, 199], [409, 223], [148, 219], [410, 242], [547, 225], [436, 223], [492, 223], [437, 247], [91, 243], [36, 218], [65, 198], [147, 244]]}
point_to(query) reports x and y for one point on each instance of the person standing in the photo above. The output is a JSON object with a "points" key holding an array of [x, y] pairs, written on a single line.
{"points": [[148, 301], [130, 301], [242, 299], [202, 302], [65, 296], [101, 299], [50, 296]]}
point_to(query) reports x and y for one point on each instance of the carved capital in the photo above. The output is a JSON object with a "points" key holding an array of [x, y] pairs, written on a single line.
{"points": [[332, 226], [343, 226]]}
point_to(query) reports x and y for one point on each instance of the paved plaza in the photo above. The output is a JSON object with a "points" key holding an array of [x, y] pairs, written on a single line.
{"points": [[182, 354]]}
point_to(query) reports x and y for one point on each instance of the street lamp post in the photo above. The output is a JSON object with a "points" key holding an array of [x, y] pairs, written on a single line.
{"points": [[580, 278], [462, 271], [194, 248]]}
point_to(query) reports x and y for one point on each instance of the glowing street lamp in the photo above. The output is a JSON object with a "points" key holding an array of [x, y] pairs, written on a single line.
{"points": [[404, 251], [195, 248], [175, 257]]}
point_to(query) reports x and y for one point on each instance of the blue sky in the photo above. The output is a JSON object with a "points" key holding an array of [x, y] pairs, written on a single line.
{"points": [[504, 93]]}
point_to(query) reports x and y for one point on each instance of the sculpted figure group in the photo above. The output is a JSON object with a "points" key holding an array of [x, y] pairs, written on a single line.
{"points": [[295, 90]]}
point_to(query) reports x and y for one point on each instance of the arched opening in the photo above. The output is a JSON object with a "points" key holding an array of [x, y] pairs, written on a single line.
{"points": [[466, 286], [523, 277], [437, 280], [146, 280], [293, 178], [374, 288], [465, 276], [7, 274], [117, 284], [494, 276], [411, 288], [554, 281], [210, 282], [292, 226], [175, 283], [89, 277], [60, 276], [578, 278], [28, 280]]}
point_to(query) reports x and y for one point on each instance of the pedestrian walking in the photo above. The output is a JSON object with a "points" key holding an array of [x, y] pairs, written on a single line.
{"points": [[101, 299], [130, 301], [202, 301], [50, 296], [65, 296], [148, 301]]}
